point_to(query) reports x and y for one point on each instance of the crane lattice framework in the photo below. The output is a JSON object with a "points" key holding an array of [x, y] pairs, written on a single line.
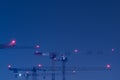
{"points": [[53, 69]]}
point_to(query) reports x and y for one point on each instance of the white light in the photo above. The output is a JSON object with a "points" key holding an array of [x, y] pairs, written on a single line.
{"points": [[113, 49], [9, 66], [74, 71], [19, 74], [39, 65], [76, 50], [37, 46]]}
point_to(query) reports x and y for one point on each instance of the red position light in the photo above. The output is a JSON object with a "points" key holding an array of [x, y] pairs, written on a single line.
{"points": [[12, 43], [108, 66]]}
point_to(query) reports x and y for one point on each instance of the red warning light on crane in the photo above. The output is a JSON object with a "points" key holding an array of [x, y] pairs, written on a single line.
{"points": [[12, 43], [108, 66]]}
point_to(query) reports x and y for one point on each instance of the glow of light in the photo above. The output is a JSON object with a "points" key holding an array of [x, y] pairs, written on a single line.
{"points": [[113, 49], [9, 66], [12, 43], [74, 71], [63, 57], [37, 46], [55, 59], [39, 65], [76, 50], [108, 65], [27, 72], [19, 74]]}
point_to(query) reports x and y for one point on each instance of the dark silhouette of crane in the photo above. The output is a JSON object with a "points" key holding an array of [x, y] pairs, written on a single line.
{"points": [[11, 44], [63, 68], [34, 70], [54, 59]]}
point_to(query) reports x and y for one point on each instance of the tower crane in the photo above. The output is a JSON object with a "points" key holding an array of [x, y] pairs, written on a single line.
{"points": [[53, 58]]}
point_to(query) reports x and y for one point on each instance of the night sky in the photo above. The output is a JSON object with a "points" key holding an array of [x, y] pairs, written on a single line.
{"points": [[91, 26]]}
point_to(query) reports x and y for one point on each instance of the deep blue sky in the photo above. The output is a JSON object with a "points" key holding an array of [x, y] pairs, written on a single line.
{"points": [[62, 25]]}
